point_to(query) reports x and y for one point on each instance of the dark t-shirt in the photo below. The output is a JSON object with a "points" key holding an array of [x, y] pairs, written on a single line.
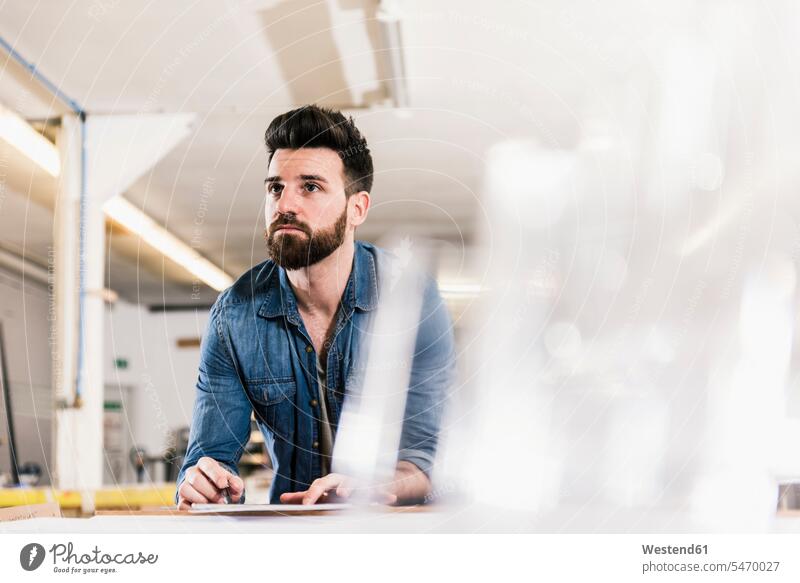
{"points": [[325, 431]]}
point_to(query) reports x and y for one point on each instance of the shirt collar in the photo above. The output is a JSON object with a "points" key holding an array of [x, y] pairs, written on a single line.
{"points": [[360, 292]]}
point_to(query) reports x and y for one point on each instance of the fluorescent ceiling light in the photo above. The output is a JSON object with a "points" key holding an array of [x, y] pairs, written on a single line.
{"points": [[17, 132], [168, 244], [457, 290], [388, 17]]}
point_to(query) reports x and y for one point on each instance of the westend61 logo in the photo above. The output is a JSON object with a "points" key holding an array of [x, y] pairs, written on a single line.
{"points": [[32, 556]]}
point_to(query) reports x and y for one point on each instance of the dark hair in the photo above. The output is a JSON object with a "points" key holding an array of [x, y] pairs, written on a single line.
{"points": [[312, 126]]}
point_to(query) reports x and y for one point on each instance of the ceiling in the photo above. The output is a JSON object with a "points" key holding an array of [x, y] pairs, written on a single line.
{"points": [[475, 76]]}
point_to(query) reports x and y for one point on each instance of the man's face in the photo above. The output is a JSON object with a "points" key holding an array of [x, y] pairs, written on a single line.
{"points": [[306, 208]]}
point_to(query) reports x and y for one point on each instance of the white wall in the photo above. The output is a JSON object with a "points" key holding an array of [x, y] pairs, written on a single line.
{"points": [[158, 385], [24, 316], [157, 388]]}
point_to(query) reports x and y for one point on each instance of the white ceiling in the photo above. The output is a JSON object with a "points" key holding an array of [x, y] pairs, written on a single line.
{"points": [[476, 75]]}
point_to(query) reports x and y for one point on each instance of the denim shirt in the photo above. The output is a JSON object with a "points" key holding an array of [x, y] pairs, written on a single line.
{"points": [[257, 357]]}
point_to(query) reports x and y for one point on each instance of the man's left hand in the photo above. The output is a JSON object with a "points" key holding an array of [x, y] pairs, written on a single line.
{"points": [[409, 483]]}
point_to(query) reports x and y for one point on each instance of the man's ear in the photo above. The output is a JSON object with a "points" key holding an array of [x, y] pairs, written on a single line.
{"points": [[359, 207]]}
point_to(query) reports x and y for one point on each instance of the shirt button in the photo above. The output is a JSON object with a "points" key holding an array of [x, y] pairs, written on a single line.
{"points": [[314, 402], [309, 348], [315, 445]]}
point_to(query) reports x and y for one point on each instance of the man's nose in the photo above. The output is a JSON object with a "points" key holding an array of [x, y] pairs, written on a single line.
{"points": [[287, 203]]}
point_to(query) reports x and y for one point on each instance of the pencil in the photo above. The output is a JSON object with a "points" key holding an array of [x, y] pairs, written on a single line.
{"points": [[227, 493]]}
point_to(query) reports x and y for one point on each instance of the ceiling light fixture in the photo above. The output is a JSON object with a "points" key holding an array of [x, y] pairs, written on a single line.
{"points": [[19, 133], [165, 242], [388, 18]]}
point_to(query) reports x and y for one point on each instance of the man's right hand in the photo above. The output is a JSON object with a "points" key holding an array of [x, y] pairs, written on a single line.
{"points": [[204, 482]]}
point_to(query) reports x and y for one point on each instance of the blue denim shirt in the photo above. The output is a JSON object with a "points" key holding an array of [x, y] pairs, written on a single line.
{"points": [[257, 357]]}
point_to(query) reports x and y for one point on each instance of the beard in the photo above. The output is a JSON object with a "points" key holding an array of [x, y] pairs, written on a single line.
{"points": [[295, 249]]}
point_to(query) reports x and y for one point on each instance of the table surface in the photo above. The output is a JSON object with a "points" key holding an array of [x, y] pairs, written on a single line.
{"points": [[432, 519]]}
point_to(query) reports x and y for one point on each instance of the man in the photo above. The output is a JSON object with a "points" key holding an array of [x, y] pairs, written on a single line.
{"points": [[284, 342]]}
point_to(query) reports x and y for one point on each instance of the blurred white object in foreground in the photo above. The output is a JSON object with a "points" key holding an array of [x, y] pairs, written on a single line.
{"points": [[368, 437], [513, 446], [738, 489]]}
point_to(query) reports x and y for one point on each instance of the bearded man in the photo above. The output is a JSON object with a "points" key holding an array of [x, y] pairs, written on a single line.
{"points": [[284, 343]]}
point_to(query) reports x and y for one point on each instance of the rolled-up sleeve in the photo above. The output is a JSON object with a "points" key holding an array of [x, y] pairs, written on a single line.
{"points": [[221, 417], [432, 375]]}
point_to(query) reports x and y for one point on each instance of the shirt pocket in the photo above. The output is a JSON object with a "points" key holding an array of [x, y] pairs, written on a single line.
{"points": [[274, 401]]}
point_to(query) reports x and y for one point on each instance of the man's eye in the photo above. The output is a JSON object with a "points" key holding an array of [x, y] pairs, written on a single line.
{"points": [[275, 188], [311, 187]]}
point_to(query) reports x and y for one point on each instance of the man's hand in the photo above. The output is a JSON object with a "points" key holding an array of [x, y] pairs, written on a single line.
{"points": [[203, 484], [331, 488], [410, 484]]}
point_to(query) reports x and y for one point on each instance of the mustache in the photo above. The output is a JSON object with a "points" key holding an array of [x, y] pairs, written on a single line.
{"points": [[288, 221]]}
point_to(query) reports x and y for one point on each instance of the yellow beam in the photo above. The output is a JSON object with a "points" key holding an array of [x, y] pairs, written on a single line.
{"points": [[162, 495]]}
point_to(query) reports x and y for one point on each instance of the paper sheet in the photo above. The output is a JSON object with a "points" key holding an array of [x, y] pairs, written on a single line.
{"points": [[264, 508]]}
